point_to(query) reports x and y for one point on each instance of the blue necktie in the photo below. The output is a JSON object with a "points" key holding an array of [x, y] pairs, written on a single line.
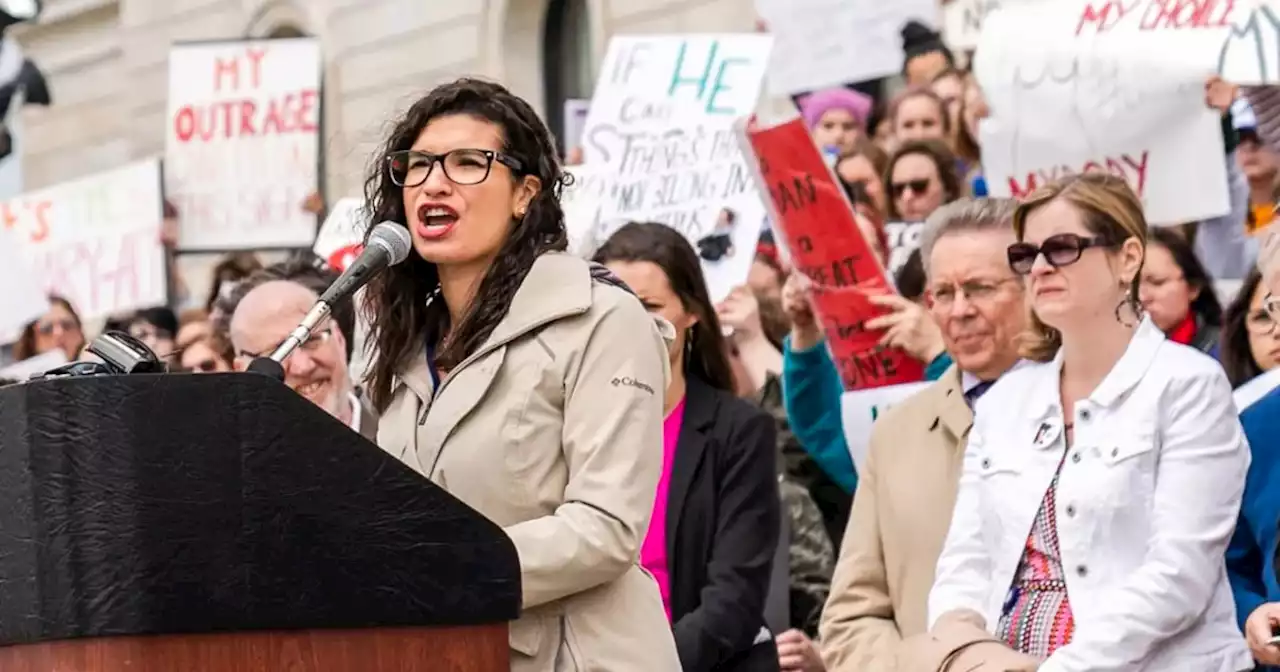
{"points": [[971, 397]]}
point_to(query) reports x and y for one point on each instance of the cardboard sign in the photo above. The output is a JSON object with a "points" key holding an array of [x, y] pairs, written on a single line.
{"points": [[95, 240], [827, 247], [1064, 103], [861, 408], [341, 237], [660, 128], [243, 142], [826, 43]]}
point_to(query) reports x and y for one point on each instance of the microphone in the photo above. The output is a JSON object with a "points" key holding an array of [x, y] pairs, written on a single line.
{"points": [[388, 245]]}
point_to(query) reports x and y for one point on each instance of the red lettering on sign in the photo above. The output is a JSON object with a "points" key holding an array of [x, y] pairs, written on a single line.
{"points": [[1186, 14], [1133, 169], [226, 71], [286, 114]]}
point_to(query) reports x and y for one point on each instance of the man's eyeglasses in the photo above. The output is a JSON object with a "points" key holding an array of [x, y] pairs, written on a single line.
{"points": [[410, 168], [974, 291], [312, 344], [1059, 250]]}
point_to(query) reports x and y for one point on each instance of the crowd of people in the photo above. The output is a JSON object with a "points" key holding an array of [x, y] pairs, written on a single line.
{"points": [[1075, 490]]}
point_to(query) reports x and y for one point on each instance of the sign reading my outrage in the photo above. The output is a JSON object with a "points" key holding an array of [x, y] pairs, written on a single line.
{"points": [[243, 144], [660, 131]]}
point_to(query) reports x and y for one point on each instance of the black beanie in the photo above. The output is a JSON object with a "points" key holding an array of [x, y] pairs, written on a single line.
{"points": [[918, 40]]}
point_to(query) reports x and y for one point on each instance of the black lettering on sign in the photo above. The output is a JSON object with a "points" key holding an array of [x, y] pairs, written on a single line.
{"points": [[738, 182], [687, 222], [869, 368], [841, 331], [805, 243], [798, 194], [844, 272]]}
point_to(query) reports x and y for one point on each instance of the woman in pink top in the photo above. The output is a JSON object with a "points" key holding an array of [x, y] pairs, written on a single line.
{"points": [[711, 541]]}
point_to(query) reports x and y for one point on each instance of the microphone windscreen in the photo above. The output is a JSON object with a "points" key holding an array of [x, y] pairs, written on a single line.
{"points": [[394, 238]]}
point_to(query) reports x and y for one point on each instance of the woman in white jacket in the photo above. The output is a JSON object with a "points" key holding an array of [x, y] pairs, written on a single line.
{"points": [[1100, 484]]}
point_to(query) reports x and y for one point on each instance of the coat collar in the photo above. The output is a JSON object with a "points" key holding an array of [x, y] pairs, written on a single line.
{"points": [[1046, 397], [701, 405], [558, 285], [954, 414]]}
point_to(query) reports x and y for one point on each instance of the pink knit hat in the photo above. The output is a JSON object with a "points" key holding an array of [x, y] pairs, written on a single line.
{"points": [[818, 103]]}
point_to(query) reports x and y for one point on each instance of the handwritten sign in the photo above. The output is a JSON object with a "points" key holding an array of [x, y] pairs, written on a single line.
{"points": [[1063, 103], [23, 299], [825, 43], [243, 142], [661, 126], [962, 20], [860, 409], [95, 240], [341, 237], [904, 238], [828, 248]]}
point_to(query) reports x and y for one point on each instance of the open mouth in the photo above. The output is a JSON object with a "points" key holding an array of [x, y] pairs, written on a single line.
{"points": [[436, 221]]}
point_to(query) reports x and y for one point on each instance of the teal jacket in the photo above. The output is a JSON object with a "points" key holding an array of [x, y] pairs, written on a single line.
{"points": [[811, 390]]}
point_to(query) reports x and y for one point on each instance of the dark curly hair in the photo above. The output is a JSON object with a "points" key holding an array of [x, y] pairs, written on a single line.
{"points": [[407, 320]]}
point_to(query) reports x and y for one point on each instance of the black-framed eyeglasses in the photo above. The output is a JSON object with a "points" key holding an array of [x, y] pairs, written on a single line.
{"points": [[410, 168], [1059, 250]]}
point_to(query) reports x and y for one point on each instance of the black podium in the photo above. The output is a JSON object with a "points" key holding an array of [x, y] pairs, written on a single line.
{"points": [[221, 522]]}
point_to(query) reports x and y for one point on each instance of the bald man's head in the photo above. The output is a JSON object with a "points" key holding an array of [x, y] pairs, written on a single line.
{"points": [[318, 368]]}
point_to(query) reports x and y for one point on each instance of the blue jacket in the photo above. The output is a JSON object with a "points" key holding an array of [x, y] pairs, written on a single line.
{"points": [[811, 391], [1251, 566]]}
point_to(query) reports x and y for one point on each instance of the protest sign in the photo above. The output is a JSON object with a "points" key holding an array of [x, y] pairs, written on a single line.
{"points": [[243, 142], [581, 201], [1063, 103], [95, 240], [660, 128], [341, 237], [904, 238], [31, 366], [962, 20], [23, 299], [826, 43], [827, 247], [859, 409], [575, 120]]}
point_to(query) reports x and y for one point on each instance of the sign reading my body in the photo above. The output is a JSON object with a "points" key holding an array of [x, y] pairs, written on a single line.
{"points": [[1148, 15], [1132, 168], [239, 113]]}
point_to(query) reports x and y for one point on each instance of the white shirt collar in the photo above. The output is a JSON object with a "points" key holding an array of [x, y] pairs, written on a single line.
{"points": [[968, 381], [356, 412]]}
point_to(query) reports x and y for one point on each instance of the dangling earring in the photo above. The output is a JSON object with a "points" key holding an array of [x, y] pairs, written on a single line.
{"points": [[1131, 303]]}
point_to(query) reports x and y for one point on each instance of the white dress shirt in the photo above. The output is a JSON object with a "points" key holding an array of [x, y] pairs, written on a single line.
{"points": [[1146, 503]]}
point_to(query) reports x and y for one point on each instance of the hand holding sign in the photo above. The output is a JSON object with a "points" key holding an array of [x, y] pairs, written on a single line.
{"points": [[828, 248], [909, 327], [740, 311]]}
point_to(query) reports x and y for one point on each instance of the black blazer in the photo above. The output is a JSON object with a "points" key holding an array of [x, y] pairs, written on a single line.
{"points": [[722, 530]]}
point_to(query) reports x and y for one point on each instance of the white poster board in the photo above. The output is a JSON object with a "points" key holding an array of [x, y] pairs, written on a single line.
{"points": [[22, 371], [962, 20], [826, 43], [94, 241], [1064, 103], [860, 409], [661, 125], [242, 145]]}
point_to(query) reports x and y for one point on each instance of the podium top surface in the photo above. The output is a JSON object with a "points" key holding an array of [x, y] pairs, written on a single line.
{"points": [[203, 503]]}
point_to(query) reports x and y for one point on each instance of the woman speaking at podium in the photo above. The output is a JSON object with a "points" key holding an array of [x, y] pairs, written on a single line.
{"points": [[519, 380]]}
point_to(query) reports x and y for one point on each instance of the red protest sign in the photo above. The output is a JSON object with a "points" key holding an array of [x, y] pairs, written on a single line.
{"points": [[827, 246]]}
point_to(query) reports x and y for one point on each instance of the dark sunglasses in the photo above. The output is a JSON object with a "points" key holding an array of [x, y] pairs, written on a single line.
{"points": [[916, 186], [1059, 250]]}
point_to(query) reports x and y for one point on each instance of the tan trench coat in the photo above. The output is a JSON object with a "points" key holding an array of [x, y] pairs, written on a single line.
{"points": [[553, 430]]}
